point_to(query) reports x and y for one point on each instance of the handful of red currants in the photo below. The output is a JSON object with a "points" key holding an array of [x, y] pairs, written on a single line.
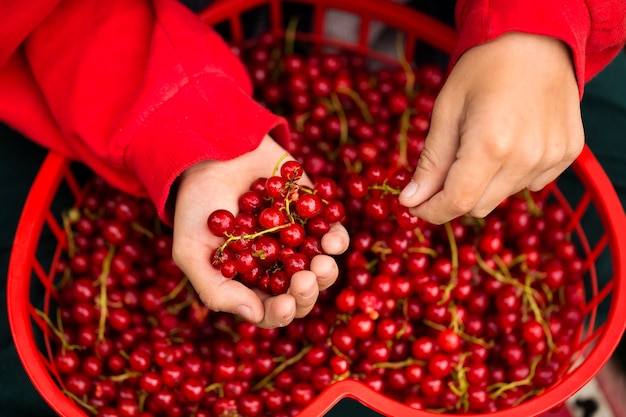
{"points": [[277, 230]]}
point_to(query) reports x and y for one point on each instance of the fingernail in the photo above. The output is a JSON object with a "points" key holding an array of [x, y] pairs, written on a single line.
{"points": [[409, 191], [245, 312]]}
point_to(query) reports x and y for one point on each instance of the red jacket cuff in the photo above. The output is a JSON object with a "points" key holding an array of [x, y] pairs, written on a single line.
{"points": [[180, 134], [479, 21]]}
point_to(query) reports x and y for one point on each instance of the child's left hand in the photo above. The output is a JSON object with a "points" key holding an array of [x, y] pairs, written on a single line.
{"points": [[213, 185]]}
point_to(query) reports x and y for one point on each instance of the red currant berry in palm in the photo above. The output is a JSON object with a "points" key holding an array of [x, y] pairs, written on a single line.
{"points": [[271, 217], [291, 171], [250, 202], [221, 222], [275, 187], [292, 235]]}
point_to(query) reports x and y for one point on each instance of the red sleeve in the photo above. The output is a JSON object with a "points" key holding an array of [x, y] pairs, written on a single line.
{"points": [[139, 90], [595, 30]]}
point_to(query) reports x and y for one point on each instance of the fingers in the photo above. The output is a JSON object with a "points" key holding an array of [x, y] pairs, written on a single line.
{"points": [[279, 311], [478, 182], [460, 194], [336, 241], [304, 289], [233, 297], [325, 270], [303, 293], [215, 291], [438, 154]]}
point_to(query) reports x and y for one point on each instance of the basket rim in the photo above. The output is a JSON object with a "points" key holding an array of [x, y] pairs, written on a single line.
{"points": [[23, 252]]}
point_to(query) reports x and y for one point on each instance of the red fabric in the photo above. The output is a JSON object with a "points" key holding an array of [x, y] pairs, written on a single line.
{"points": [[138, 90], [595, 30], [142, 89]]}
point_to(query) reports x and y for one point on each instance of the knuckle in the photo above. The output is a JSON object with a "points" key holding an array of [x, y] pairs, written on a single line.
{"points": [[497, 147], [428, 160], [481, 212], [531, 158], [537, 185], [462, 204], [575, 149]]}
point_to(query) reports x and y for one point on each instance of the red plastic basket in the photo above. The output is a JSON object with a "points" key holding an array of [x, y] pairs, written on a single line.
{"points": [[604, 240]]}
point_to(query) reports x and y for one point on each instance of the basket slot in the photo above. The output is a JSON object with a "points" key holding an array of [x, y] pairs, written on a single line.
{"points": [[72, 183], [594, 336], [41, 274], [41, 323], [594, 254], [56, 228], [580, 210], [601, 296], [51, 368]]}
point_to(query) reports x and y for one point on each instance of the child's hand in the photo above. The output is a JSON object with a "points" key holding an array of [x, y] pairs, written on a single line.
{"points": [[507, 118], [215, 185]]}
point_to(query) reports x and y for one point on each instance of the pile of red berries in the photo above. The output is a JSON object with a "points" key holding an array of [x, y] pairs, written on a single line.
{"points": [[277, 230], [473, 316]]}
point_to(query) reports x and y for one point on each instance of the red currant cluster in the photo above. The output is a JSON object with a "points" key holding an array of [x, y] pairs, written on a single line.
{"points": [[473, 316], [277, 230]]}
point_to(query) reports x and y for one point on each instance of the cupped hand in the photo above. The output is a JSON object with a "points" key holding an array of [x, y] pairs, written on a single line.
{"points": [[507, 118], [212, 185]]}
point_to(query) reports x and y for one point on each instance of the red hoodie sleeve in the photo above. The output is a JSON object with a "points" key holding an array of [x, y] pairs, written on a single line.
{"points": [[138, 90], [595, 30]]}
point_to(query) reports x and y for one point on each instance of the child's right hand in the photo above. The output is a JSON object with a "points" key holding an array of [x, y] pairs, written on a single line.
{"points": [[507, 118], [212, 185]]}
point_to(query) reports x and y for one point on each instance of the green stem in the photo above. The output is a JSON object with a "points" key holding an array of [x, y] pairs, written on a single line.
{"points": [[385, 188], [343, 120], [174, 293], [533, 208], [70, 217], [252, 236], [464, 336], [58, 333], [423, 249], [123, 377], [102, 279], [80, 402], [410, 75], [367, 116], [399, 364], [503, 387], [216, 386], [277, 166], [284, 365], [139, 228], [290, 35], [454, 259], [403, 143]]}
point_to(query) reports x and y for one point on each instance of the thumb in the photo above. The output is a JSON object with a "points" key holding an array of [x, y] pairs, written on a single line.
{"points": [[439, 153]]}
